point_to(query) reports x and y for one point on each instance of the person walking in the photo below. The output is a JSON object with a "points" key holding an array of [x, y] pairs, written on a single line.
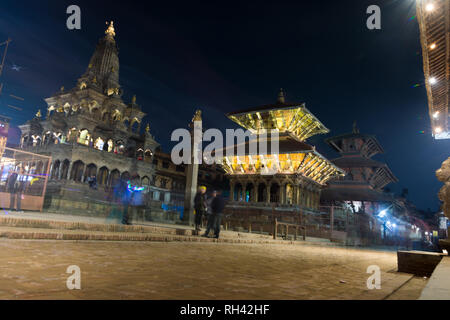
{"points": [[137, 204], [125, 195], [215, 218], [115, 199], [200, 207]]}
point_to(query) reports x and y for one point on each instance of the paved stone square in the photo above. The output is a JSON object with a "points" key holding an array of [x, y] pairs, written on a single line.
{"points": [[32, 269]]}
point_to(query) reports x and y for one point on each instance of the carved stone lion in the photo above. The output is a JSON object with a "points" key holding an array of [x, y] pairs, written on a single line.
{"points": [[443, 175]]}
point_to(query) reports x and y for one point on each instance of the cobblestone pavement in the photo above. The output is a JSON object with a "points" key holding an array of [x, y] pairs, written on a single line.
{"points": [[177, 270]]}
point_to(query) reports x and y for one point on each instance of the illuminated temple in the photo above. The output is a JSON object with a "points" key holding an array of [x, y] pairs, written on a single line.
{"points": [[90, 131], [362, 186], [292, 175]]}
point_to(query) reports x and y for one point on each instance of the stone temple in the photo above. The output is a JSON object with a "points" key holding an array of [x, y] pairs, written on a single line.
{"points": [[90, 130]]}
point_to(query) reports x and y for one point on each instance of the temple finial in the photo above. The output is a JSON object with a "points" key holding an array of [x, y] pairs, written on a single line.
{"points": [[38, 114], [133, 100], [147, 128], [281, 98], [197, 116], [110, 30]]}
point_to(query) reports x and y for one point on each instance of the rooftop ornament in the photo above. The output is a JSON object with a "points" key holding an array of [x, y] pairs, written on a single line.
{"points": [[110, 30]]}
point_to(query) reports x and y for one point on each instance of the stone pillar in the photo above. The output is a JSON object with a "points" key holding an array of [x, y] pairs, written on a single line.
{"points": [[255, 193], [268, 192], [231, 190], [282, 193], [51, 170], [192, 168], [295, 195], [69, 171]]}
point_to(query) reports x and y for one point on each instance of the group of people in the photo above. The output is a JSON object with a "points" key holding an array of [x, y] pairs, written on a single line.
{"points": [[211, 207]]}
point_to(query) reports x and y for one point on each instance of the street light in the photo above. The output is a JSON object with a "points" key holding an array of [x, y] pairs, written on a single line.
{"points": [[382, 213]]}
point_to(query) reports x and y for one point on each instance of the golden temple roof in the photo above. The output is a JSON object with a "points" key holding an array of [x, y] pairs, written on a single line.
{"points": [[283, 116], [293, 157]]}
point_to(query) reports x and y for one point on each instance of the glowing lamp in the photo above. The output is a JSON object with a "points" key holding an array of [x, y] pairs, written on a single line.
{"points": [[382, 213], [433, 80], [429, 7]]}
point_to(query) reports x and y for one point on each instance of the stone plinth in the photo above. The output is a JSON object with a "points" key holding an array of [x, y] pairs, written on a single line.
{"points": [[443, 175], [420, 263]]}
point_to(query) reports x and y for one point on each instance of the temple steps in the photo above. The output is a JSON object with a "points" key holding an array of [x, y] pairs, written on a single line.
{"points": [[43, 229]]}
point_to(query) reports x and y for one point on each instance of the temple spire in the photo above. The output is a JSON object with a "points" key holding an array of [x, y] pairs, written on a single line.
{"points": [[281, 98], [355, 128], [102, 73]]}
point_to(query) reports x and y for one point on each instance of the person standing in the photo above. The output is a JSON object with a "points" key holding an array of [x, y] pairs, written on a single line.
{"points": [[21, 184], [200, 206], [215, 218], [11, 189]]}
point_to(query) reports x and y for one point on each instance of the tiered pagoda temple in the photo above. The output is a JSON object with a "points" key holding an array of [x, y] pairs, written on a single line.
{"points": [[294, 174], [362, 186]]}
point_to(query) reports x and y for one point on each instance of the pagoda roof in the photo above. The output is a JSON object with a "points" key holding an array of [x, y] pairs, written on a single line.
{"points": [[292, 157], [294, 118], [357, 162], [286, 144], [267, 107], [371, 144], [353, 193]]}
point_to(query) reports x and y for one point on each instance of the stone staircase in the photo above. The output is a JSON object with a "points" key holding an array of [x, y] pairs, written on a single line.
{"points": [[14, 227]]}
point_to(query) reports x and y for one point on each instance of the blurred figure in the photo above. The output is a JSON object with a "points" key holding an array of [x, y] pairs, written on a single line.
{"points": [[136, 198], [92, 180], [215, 218], [200, 206], [125, 199], [115, 194]]}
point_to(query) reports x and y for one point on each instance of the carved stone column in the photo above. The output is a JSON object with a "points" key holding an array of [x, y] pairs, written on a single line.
{"points": [[232, 189], [69, 171], [192, 168]]}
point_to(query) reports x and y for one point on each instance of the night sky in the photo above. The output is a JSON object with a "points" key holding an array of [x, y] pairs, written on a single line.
{"points": [[226, 56]]}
